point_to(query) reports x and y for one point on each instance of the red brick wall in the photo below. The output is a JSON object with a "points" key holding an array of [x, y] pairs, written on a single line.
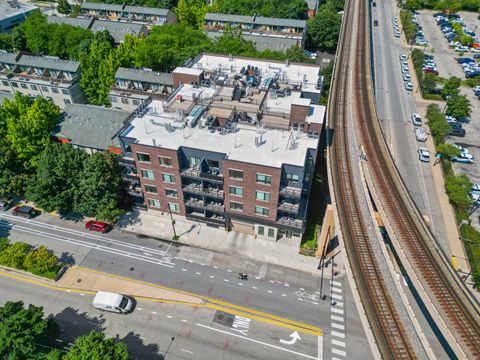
{"points": [[185, 78], [250, 186], [298, 114], [157, 169]]}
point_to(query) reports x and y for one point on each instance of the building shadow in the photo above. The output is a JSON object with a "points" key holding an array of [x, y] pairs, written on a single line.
{"points": [[139, 350], [129, 219]]}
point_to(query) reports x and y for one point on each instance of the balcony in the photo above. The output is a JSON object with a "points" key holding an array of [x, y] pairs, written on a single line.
{"points": [[288, 207], [197, 174], [215, 219], [200, 204], [154, 94], [198, 189], [292, 192], [287, 221]]}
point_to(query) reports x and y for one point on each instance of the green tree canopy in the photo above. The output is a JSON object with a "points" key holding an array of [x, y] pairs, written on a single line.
{"points": [[289, 9], [458, 189], [191, 12], [438, 123], [458, 106], [24, 330], [63, 7], [451, 87], [96, 346], [323, 30], [447, 150]]}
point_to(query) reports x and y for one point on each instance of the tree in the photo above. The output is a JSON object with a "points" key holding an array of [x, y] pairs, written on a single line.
{"points": [[451, 87], [192, 12], [438, 123], [29, 125], [23, 331], [447, 151], [13, 255], [428, 83], [458, 190], [63, 7], [55, 183], [41, 261], [323, 30], [96, 346], [290, 9], [76, 9], [465, 39], [458, 106], [100, 185]]}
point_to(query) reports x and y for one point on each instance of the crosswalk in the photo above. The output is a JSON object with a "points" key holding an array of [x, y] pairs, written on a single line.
{"points": [[337, 321]]}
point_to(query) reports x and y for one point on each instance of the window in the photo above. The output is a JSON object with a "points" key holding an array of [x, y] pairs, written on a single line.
{"points": [[5, 83], [271, 232], [174, 207], [65, 92], [154, 203], [263, 196], [143, 157], [235, 190], [165, 161], [124, 101], [151, 189], [148, 174], [24, 86], [213, 163], [261, 211], [171, 193], [195, 161], [66, 101], [168, 178], [14, 84], [114, 99], [264, 179], [292, 178], [44, 89], [136, 102], [34, 87], [235, 174], [236, 206], [261, 230], [54, 90]]}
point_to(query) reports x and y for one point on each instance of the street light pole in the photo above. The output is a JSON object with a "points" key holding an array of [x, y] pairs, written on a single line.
{"points": [[168, 348], [173, 223]]}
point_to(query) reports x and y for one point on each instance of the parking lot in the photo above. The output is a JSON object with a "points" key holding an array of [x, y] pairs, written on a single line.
{"points": [[448, 66]]}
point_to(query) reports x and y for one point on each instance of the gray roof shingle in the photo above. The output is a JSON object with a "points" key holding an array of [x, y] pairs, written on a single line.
{"points": [[7, 57], [118, 29], [144, 75], [84, 23], [229, 17], [146, 10], [91, 126], [99, 6], [49, 62], [260, 20]]}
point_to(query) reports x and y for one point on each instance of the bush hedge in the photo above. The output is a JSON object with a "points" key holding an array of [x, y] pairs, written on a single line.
{"points": [[38, 261]]}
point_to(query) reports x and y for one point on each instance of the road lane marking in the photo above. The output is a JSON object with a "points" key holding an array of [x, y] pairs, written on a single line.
{"points": [[338, 326], [337, 334], [183, 320], [337, 297], [184, 270], [187, 351], [212, 277], [154, 313], [320, 348], [226, 280], [169, 316], [337, 318], [337, 290], [269, 291], [336, 283], [339, 304], [229, 270], [139, 308], [240, 284], [254, 287], [339, 352], [82, 294], [197, 273], [259, 342], [338, 311], [338, 343], [284, 295]]}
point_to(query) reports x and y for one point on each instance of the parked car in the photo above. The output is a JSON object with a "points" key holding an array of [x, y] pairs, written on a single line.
{"points": [[406, 77], [463, 158], [420, 134], [408, 86], [423, 154], [461, 148], [403, 57], [416, 119], [5, 203], [100, 226], [375, 22], [458, 132], [465, 60], [25, 211]]}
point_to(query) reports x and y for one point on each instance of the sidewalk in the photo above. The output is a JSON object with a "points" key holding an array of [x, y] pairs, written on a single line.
{"points": [[283, 252]]}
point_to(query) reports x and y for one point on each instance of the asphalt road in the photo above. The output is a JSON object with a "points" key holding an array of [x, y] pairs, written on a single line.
{"points": [[395, 106], [270, 289], [197, 333]]}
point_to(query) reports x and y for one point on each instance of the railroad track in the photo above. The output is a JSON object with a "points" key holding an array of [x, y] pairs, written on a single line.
{"points": [[353, 67]]}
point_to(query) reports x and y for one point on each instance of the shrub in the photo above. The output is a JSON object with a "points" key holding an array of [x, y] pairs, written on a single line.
{"points": [[13, 255], [41, 261], [472, 247]]}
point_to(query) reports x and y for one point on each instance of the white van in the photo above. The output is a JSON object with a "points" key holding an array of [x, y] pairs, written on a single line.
{"points": [[113, 302]]}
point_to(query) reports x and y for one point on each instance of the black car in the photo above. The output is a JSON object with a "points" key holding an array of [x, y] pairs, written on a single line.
{"points": [[25, 211], [458, 132], [5, 203]]}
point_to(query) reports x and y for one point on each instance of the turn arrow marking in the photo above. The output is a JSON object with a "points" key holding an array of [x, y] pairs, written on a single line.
{"points": [[294, 337]]}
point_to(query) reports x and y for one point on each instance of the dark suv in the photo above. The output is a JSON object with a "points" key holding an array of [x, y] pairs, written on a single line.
{"points": [[5, 203], [25, 211]]}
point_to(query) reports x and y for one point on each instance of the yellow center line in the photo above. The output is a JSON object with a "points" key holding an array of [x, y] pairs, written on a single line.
{"points": [[210, 303]]}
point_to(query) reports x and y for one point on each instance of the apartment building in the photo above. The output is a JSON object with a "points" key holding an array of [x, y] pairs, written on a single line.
{"points": [[234, 146], [46, 76], [266, 33], [13, 14], [131, 13], [133, 87]]}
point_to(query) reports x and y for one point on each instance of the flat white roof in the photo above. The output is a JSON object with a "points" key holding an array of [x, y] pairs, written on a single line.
{"points": [[167, 130], [293, 73], [316, 114], [188, 70]]}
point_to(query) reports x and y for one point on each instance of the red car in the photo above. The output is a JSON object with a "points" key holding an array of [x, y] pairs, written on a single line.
{"points": [[99, 226]]}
